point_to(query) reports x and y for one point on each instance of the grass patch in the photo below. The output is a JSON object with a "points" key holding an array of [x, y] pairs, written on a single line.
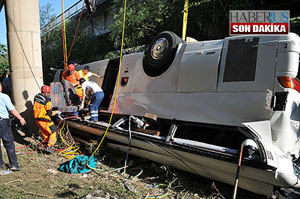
{"points": [[40, 178]]}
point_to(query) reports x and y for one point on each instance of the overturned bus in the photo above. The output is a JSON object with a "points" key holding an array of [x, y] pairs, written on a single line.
{"points": [[191, 105]]}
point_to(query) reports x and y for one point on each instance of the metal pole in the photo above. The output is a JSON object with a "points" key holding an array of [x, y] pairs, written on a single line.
{"points": [[238, 173]]}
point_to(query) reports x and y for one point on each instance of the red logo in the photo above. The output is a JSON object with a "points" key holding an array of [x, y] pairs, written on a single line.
{"points": [[259, 28], [258, 22]]}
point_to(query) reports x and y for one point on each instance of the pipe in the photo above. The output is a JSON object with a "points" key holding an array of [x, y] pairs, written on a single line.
{"points": [[238, 173]]}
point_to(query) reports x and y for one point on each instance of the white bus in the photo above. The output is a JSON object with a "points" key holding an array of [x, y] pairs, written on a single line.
{"points": [[204, 99]]}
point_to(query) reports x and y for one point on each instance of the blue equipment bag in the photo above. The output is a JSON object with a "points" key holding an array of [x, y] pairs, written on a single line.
{"points": [[78, 164]]}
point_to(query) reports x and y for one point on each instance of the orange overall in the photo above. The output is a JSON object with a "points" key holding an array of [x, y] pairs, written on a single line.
{"points": [[74, 78], [42, 112]]}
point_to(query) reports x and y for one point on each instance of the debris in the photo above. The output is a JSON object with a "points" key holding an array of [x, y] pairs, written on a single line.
{"points": [[52, 171], [98, 194], [213, 186], [28, 184], [84, 176], [18, 180], [151, 185]]}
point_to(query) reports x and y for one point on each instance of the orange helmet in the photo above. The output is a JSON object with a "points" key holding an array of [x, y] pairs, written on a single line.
{"points": [[46, 89], [71, 67]]}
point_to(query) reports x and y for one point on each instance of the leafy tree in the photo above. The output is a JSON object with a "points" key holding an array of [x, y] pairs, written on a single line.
{"points": [[46, 14], [86, 48], [207, 19], [143, 20], [4, 66], [295, 25]]}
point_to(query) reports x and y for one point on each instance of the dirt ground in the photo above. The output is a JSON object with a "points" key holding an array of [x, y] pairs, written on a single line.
{"points": [[40, 178]]}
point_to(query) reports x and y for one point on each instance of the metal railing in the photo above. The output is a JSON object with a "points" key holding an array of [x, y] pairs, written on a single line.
{"points": [[70, 12]]}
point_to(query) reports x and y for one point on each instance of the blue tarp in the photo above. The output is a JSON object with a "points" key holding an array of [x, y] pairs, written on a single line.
{"points": [[78, 164]]}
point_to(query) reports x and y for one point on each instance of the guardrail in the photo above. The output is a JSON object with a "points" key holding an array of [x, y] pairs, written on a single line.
{"points": [[70, 12]]}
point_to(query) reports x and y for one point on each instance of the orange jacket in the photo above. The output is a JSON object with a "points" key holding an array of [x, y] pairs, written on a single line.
{"points": [[74, 78], [42, 108]]}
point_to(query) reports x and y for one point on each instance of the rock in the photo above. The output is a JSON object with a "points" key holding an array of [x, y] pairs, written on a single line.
{"points": [[84, 175], [98, 194], [52, 171]]}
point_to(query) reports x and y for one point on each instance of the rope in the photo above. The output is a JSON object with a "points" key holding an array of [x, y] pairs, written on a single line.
{"points": [[114, 104], [76, 30], [185, 16], [64, 36], [70, 151], [24, 152], [117, 87], [115, 99], [146, 196]]}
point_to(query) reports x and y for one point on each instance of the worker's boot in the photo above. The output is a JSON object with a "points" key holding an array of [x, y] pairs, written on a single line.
{"points": [[15, 168]]}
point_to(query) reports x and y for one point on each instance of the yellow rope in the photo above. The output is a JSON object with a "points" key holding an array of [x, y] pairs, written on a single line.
{"points": [[115, 99], [185, 17], [69, 152], [61, 137], [117, 87]]}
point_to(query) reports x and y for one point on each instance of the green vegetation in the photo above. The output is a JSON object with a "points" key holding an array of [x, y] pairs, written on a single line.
{"points": [[295, 25], [207, 19], [86, 48], [143, 20], [40, 178], [46, 14], [4, 68]]}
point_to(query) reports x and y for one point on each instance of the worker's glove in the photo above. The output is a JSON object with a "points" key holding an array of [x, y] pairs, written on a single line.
{"points": [[58, 113], [82, 106]]}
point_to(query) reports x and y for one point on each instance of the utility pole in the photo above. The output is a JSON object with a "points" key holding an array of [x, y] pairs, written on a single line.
{"points": [[24, 48]]}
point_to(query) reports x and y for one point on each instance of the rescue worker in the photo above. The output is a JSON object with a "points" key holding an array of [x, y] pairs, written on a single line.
{"points": [[73, 77], [95, 94], [42, 112], [86, 74], [5, 131]]}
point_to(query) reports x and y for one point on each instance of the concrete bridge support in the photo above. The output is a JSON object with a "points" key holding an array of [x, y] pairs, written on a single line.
{"points": [[24, 47]]}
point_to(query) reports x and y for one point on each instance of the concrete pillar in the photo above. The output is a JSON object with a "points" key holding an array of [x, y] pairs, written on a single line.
{"points": [[24, 47]]}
